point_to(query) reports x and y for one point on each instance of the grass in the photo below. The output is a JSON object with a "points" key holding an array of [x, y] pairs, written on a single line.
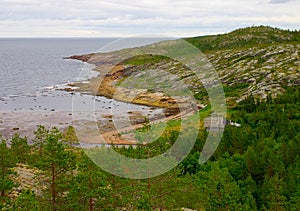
{"points": [[144, 59], [235, 90], [245, 38], [166, 128]]}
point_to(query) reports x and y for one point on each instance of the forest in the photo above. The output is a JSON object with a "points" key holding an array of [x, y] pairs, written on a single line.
{"points": [[256, 167]]}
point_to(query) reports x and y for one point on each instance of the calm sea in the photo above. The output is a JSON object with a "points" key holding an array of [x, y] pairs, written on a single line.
{"points": [[31, 69]]}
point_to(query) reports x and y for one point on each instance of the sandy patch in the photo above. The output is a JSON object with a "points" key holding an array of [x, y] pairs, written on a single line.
{"points": [[25, 122]]}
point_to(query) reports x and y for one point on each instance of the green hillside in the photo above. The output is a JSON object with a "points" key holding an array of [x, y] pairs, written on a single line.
{"points": [[245, 38], [252, 61]]}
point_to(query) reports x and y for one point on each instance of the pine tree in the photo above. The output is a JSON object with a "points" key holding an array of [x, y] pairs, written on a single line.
{"points": [[272, 193], [89, 189], [20, 148], [39, 141], [26, 202], [58, 162], [7, 161], [221, 191]]}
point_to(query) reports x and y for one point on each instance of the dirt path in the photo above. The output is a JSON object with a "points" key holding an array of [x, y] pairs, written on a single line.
{"points": [[113, 137]]}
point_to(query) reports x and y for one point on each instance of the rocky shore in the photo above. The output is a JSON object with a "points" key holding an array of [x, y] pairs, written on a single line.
{"points": [[107, 83], [259, 70]]}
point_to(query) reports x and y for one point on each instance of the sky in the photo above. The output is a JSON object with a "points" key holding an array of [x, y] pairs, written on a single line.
{"points": [[122, 18]]}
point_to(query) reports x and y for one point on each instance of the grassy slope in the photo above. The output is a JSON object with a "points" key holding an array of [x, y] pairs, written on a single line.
{"points": [[245, 38], [254, 60]]}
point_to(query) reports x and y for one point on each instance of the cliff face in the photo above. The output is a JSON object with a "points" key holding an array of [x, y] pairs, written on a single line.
{"points": [[257, 61]]}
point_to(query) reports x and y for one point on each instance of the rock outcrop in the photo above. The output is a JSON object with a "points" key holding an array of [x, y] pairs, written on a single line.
{"points": [[27, 178], [257, 61]]}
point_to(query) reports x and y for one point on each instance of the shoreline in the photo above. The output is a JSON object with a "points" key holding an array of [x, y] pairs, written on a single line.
{"points": [[24, 122], [106, 83]]}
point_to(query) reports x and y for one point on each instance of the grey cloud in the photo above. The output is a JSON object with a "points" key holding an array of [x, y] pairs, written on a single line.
{"points": [[279, 1], [107, 17]]}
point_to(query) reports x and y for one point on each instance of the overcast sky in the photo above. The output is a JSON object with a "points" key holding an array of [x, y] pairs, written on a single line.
{"points": [[107, 18]]}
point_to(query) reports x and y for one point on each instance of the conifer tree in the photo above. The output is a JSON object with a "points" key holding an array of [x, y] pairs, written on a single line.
{"points": [[58, 162]]}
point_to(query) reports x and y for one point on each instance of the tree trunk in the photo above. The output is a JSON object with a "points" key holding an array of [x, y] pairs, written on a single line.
{"points": [[53, 187], [3, 172], [91, 205]]}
